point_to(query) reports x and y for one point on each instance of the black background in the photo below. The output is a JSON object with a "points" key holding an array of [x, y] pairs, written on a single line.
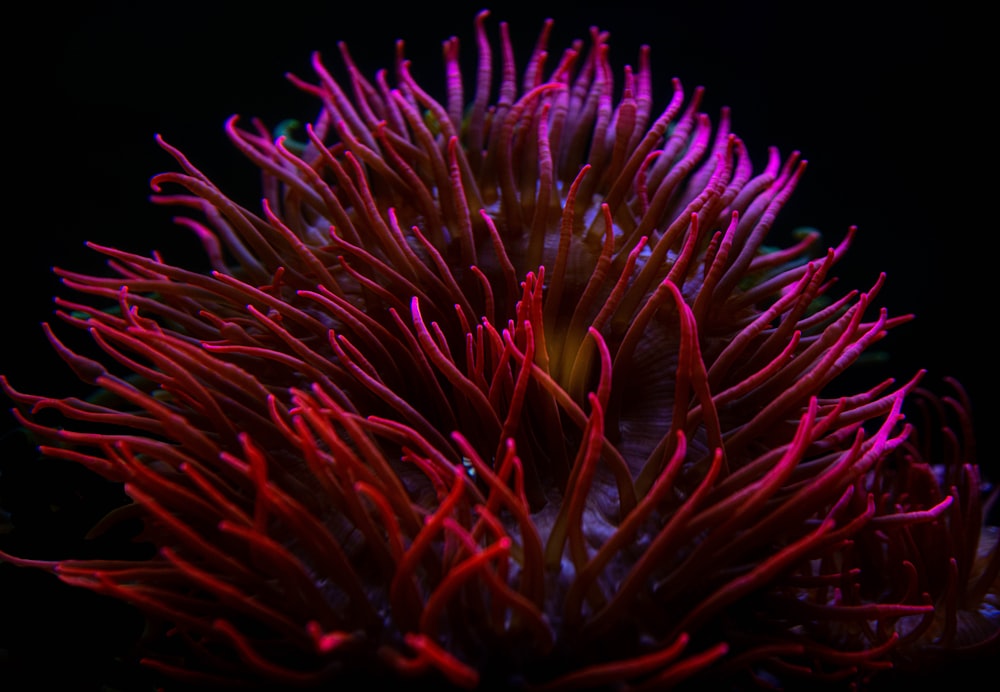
{"points": [[889, 102]]}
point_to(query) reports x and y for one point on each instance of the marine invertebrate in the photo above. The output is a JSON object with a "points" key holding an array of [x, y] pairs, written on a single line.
{"points": [[490, 394]]}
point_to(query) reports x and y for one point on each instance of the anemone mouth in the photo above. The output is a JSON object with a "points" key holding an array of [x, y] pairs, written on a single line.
{"points": [[508, 387]]}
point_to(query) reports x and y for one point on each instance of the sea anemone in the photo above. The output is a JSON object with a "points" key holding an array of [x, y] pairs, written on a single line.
{"points": [[511, 394]]}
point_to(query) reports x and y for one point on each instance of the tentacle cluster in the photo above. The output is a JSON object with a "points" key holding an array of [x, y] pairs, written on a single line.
{"points": [[508, 389]]}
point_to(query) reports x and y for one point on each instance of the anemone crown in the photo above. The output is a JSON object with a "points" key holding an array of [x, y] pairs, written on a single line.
{"points": [[508, 390]]}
